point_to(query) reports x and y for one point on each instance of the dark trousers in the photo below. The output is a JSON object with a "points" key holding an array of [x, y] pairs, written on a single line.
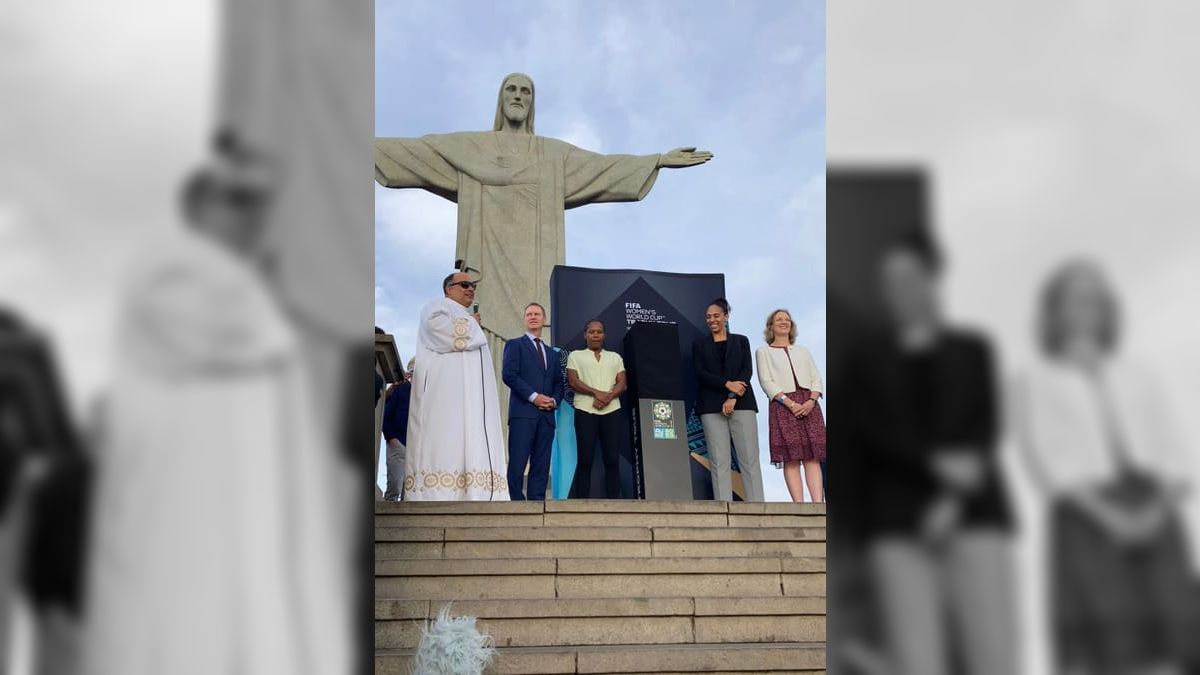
{"points": [[606, 428], [1118, 606], [529, 442]]}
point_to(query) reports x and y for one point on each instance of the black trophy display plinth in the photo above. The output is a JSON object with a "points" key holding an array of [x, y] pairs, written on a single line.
{"points": [[658, 416]]}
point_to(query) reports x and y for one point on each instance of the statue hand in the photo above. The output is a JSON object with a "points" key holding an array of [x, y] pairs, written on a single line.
{"points": [[681, 157]]}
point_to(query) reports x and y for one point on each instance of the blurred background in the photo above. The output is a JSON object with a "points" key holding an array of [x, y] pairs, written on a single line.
{"points": [[1015, 138], [185, 245]]}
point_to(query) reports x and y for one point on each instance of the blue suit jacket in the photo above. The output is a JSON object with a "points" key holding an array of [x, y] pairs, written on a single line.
{"points": [[524, 375]]}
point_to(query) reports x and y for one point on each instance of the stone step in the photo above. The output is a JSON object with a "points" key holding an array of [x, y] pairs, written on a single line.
{"points": [[795, 657], [598, 513], [600, 534], [582, 586], [599, 506], [591, 621], [625, 542], [392, 609], [595, 566], [533, 578], [597, 519]]}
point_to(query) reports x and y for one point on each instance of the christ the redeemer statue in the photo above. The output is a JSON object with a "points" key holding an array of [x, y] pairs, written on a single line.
{"points": [[511, 188]]}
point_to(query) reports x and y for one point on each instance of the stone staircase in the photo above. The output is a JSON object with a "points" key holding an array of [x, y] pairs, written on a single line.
{"points": [[608, 586]]}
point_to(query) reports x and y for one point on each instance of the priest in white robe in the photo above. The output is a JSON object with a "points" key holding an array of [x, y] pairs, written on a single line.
{"points": [[219, 540], [455, 443]]}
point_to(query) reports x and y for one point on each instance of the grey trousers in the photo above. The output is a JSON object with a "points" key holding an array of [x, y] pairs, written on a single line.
{"points": [[396, 453], [968, 582], [742, 427]]}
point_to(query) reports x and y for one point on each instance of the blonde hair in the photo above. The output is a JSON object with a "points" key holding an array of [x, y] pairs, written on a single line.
{"points": [[769, 333], [1052, 329]]}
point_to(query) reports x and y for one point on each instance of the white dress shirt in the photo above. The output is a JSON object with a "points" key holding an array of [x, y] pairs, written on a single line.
{"points": [[545, 358]]}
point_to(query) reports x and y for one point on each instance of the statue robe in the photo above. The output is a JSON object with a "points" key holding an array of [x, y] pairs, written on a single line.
{"points": [[511, 190]]}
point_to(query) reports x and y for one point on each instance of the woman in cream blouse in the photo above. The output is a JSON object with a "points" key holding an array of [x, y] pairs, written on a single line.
{"points": [[790, 378], [1102, 449]]}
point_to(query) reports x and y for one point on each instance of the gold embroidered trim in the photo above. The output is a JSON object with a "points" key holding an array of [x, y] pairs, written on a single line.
{"points": [[461, 327], [450, 480], [460, 344]]}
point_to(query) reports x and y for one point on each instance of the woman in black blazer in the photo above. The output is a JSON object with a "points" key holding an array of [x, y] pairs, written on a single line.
{"points": [[725, 404]]}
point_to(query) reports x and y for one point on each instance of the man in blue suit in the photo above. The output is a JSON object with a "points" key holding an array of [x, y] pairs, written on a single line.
{"points": [[531, 373]]}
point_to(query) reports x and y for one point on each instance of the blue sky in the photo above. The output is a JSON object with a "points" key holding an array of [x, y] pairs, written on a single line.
{"points": [[743, 80]]}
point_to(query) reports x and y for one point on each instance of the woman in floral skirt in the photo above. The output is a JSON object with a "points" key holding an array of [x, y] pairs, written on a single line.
{"points": [[790, 377]]}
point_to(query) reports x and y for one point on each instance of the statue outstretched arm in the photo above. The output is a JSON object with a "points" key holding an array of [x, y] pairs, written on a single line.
{"points": [[590, 177], [414, 163], [683, 157]]}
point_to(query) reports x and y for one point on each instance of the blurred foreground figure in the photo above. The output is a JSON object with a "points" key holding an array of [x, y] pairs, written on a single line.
{"points": [[1100, 443], [217, 546], [43, 494], [22, 464], [937, 521]]}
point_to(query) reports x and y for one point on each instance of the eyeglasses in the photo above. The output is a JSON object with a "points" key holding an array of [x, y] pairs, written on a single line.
{"points": [[465, 284]]}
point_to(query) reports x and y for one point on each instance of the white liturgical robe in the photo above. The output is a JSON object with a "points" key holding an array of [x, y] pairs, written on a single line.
{"points": [[215, 503], [455, 444]]}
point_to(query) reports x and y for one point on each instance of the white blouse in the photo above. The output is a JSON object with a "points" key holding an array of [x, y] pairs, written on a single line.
{"points": [[1067, 427], [775, 374], [1069, 430]]}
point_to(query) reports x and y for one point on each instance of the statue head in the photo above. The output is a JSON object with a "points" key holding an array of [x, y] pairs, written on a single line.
{"points": [[514, 104]]}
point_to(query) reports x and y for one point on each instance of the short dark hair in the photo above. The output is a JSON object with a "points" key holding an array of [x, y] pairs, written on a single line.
{"points": [[447, 281], [722, 303], [592, 321], [210, 182], [538, 305], [920, 245]]}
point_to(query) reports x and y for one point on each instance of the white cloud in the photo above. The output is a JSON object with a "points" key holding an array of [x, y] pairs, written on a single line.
{"points": [[581, 133], [616, 35], [423, 226]]}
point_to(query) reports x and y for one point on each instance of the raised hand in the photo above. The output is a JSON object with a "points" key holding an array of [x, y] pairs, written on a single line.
{"points": [[683, 157]]}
